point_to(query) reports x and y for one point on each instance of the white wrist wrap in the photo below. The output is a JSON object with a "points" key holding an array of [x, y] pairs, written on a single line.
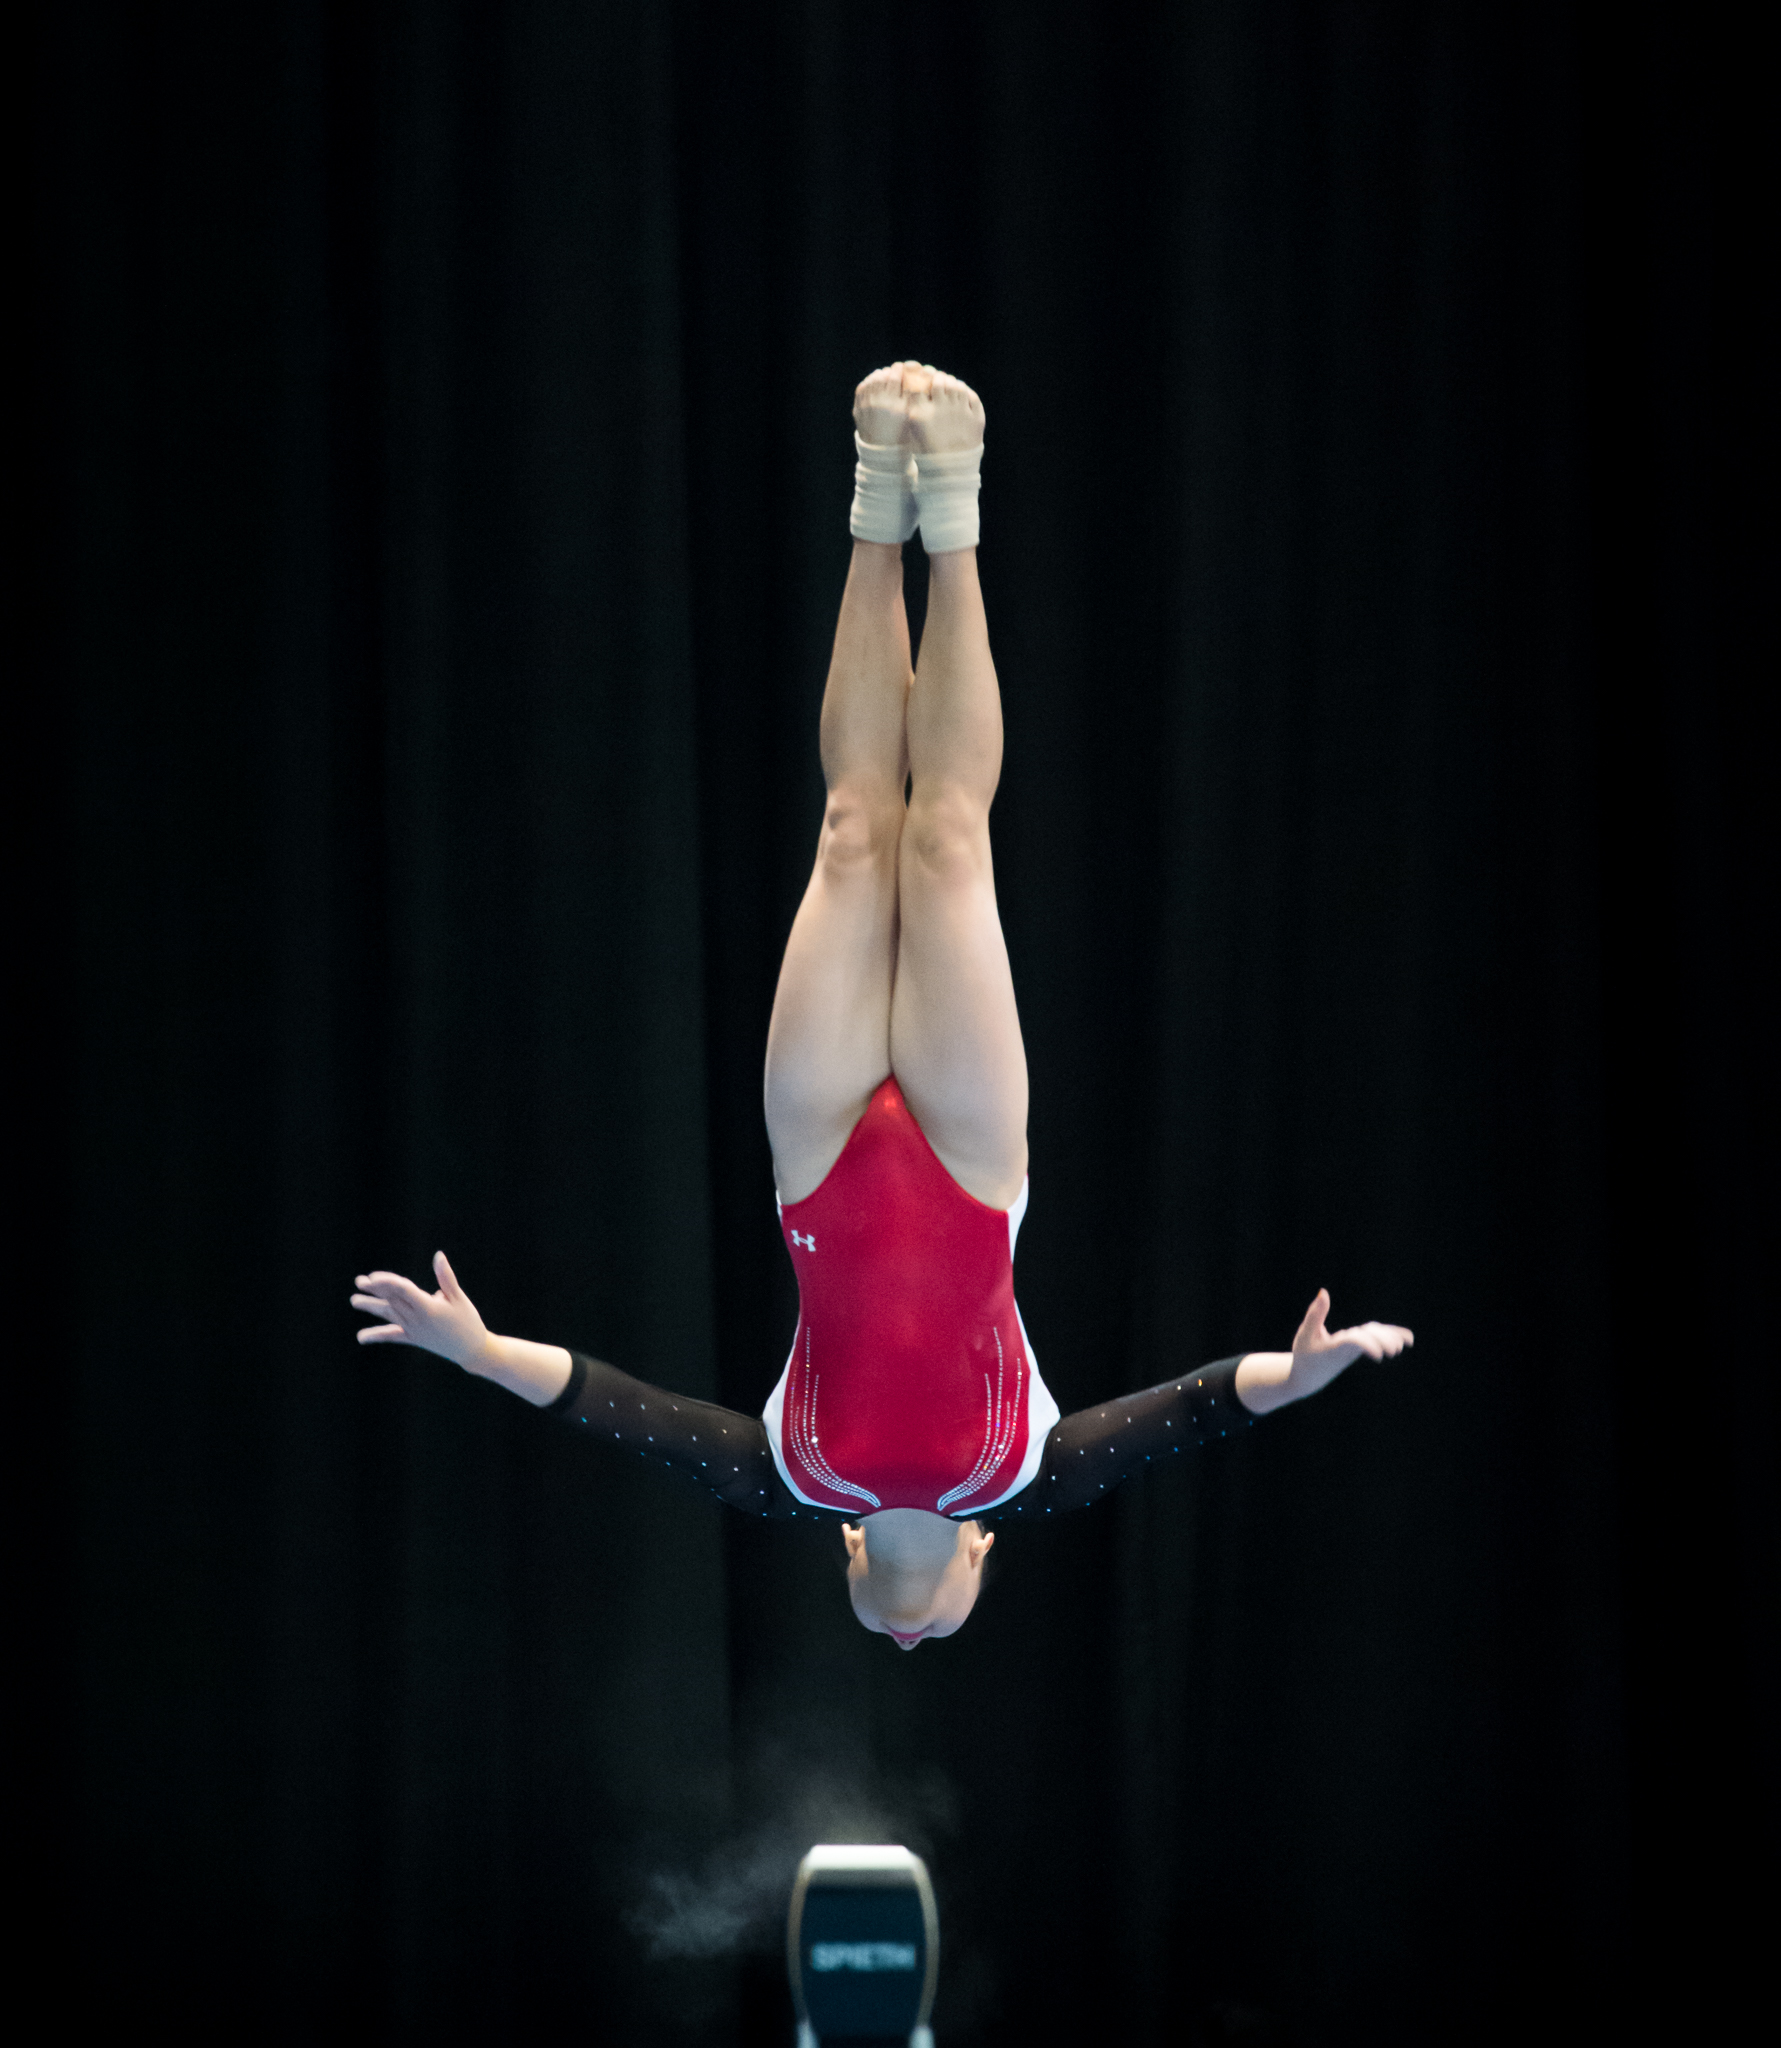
{"points": [[883, 493], [946, 497]]}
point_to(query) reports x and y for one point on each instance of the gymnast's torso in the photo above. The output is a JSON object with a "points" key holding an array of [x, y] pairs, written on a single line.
{"points": [[910, 1382]]}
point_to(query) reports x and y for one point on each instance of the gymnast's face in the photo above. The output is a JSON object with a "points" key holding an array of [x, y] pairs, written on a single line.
{"points": [[915, 1575]]}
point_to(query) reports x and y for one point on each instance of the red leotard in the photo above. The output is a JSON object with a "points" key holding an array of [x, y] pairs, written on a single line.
{"points": [[910, 1383]]}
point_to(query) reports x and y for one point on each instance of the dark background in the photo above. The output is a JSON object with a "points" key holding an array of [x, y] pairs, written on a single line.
{"points": [[440, 464]]}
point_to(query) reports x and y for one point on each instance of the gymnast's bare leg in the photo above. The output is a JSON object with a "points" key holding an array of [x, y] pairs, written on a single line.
{"points": [[896, 961], [955, 1040], [828, 1045]]}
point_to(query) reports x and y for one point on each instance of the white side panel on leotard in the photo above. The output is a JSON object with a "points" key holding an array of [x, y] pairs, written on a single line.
{"points": [[1014, 1217], [773, 1415], [1043, 1416]]}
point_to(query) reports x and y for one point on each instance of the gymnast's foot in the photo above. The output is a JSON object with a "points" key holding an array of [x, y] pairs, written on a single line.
{"points": [[945, 415], [880, 409], [884, 477], [946, 432]]}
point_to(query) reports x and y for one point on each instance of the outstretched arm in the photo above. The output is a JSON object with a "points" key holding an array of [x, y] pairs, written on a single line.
{"points": [[725, 1452], [1088, 1453], [1270, 1379], [447, 1323]]}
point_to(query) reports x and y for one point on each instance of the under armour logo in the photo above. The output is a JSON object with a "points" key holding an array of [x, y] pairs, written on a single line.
{"points": [[809, 1243]]}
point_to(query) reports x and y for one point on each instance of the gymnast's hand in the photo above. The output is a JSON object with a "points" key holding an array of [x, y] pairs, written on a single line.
{"points": [[1270, 1379], [447, 1322]]}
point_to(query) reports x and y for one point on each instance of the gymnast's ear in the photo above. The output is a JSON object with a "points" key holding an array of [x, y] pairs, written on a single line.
{"points": [[855, 1539], [980, 1545]]}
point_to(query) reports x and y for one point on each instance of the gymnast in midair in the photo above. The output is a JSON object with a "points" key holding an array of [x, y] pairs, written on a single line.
{"points": [[911, 1408]]}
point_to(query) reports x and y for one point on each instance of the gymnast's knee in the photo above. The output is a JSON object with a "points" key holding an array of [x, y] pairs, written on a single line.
{"points": [[861, 827], [948, 834]]}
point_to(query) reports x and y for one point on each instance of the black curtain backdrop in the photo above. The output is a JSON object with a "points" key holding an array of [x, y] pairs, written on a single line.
{"points": [[441, 424]]}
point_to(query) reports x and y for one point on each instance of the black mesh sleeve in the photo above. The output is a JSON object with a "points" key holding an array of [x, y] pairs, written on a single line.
{"points": [[1090, 1452], [725, 1452]]}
